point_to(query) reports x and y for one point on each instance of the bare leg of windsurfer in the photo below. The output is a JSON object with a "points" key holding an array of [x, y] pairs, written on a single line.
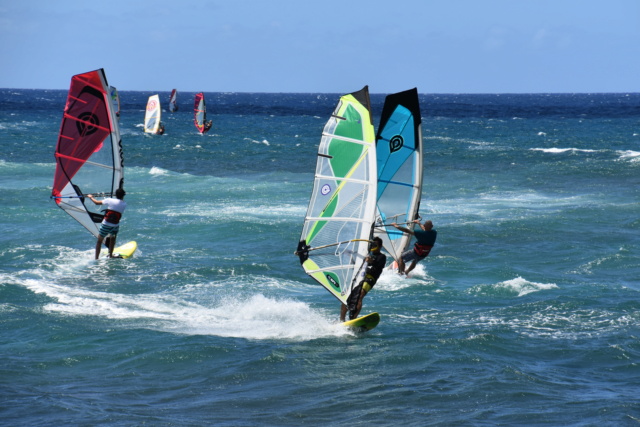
{"points": [[411, 267], [401, 266], [99, 246], [112, 244], [343, 312]]}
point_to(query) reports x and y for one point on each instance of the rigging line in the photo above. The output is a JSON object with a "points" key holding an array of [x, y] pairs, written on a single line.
{"points": [[80, 197], [387, 225], [333, 244]]}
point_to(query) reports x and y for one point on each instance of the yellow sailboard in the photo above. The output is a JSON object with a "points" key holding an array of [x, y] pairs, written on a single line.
{"points": [[364, 323], [122, 251]]}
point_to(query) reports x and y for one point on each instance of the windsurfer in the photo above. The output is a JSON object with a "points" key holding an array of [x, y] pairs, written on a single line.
{"points": [[207, 126], [111, 222], [426, 238], [375, 264], [160, 129]]}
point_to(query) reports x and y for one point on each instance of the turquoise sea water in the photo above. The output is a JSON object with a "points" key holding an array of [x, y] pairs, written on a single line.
{"points": [[525, 313]]}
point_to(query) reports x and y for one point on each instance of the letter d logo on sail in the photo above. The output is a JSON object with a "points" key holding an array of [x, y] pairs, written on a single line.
{"points": [[396, 143]]}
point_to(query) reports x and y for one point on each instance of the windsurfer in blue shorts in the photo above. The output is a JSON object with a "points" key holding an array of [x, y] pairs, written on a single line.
{"points": [[425, 239], [111, 221], [375, 264]]}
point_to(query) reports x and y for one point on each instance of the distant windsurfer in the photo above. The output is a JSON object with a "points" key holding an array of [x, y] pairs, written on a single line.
{"points": [[425, 239], [111, 221], [207, 126], [160, 129], [375, 264]]}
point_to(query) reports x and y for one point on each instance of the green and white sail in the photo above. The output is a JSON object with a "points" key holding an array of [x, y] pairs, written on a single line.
{"points": [[338, 224], [399, 157]]}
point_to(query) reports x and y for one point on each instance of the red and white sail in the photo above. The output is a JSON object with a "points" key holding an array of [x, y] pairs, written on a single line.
{"points": [[173, 101], [152, 115], [89, 150], [200, 114]]}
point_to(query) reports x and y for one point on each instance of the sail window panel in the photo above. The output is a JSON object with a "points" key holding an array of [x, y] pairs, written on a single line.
{"points": [[352, 126]]}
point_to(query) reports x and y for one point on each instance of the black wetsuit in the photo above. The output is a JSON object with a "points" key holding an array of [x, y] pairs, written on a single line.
{"points": [[371, 274]]}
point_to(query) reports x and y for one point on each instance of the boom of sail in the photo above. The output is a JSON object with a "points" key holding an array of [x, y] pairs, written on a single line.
{"points": [[89, 150], [152, 115], [338, 224], [173, 101], [399, 154]]}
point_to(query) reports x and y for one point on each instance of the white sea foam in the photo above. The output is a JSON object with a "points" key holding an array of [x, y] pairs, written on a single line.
{"points": [[158, 171], [391, 281], [563, 150], [253, 317], [264, 141], [524, 287], [224, 211], [629, 155]]}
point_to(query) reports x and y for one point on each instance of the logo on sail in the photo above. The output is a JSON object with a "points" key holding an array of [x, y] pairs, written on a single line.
{"points": [[326, 189], [396, 143], [85, 123], [330, 277]]}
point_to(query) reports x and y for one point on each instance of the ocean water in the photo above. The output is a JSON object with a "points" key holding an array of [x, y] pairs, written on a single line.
{"points": [[525, 313]]}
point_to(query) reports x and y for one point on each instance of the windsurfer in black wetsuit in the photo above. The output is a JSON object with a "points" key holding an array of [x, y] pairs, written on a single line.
{"points": [[426, 238], [375, 264]]}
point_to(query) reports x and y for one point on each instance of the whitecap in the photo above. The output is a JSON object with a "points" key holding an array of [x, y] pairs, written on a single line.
{"points": [[524, 287], [629, 155], [251, 317], [158, 171], [563, 150]]}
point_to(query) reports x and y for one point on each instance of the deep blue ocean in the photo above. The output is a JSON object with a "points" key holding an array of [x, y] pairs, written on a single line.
{"points": [[527, 311]]}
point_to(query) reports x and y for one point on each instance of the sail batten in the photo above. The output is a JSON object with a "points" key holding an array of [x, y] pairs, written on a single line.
{"points": [[89, 150], [342, 138], [338, 223], [399, 160], [89, 124]]}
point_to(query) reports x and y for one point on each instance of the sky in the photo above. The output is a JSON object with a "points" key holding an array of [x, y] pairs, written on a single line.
{"points": [[325, 46]]}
